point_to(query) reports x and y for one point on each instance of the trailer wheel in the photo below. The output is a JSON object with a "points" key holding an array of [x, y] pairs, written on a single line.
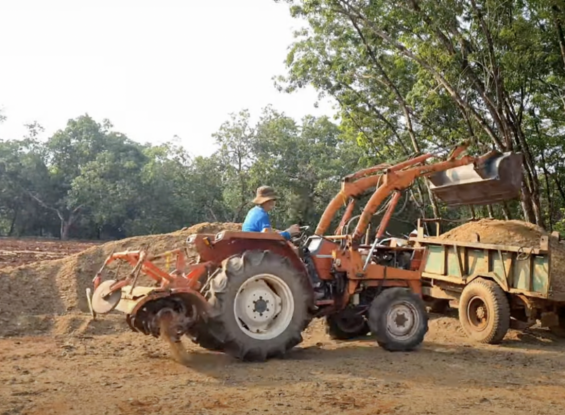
{"points": [[398, 319], [484, 311], [346, 326], [262, 305]]}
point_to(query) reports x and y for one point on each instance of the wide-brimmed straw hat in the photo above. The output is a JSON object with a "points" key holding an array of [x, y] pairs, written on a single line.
{"points": [[264, 194]]}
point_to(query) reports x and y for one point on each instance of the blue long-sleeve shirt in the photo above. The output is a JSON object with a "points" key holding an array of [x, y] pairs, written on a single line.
{"points": [[257, 219]]}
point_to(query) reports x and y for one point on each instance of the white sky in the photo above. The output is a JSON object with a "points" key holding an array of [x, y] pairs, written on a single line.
{"points": [[153, 68]]}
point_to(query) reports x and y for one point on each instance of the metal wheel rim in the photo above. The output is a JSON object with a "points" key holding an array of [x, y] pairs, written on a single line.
{"points": [[264, 307], [477, 313], [403, 320]]}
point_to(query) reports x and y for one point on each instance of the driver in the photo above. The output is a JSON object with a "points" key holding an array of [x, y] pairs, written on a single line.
{"points": [[257, 219]]}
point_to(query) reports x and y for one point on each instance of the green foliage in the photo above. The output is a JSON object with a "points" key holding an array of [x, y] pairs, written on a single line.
{"points": [[409, 77], [420, 74], [90, 181]]}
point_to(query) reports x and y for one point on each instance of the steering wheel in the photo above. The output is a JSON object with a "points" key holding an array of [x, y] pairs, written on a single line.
{"points": [[299, 239]]}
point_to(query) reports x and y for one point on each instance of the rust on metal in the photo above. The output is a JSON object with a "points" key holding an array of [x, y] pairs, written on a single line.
{"points": [[388, 214], [400, 176]]}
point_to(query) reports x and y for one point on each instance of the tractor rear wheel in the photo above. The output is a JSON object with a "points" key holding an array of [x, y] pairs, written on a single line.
{"points": [[207, 336], [262, 304], [398, 319]]}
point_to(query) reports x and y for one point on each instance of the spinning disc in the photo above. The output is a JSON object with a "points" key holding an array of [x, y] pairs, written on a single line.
{"points": [[102, 301]]}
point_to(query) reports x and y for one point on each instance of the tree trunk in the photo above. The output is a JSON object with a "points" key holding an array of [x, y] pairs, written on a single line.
{"points": [[65, 228], [13, 223], [530, 186], [560, 37], [490, 211], [526, 202], [506, 211], [547, 190], [560, 187]]}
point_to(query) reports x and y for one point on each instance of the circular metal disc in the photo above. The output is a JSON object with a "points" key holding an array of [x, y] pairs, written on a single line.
{"points": [[102, 303]]}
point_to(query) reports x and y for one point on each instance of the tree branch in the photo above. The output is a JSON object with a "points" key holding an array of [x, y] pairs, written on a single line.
{"points": [[409, 54]]}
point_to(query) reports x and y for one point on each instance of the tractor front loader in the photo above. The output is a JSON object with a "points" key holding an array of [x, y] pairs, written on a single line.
{"points": [[251, 295]]}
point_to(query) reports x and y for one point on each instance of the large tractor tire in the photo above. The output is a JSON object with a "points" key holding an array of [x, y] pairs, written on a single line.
{"points": [[398, 319], [207, 336], [346, 326], [261, 304], [484, 311]]}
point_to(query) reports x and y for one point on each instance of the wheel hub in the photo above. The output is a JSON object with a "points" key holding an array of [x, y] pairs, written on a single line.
{"points": [[481, 313], [263, 306], [258, 305], [478, 313], [401, 320]]}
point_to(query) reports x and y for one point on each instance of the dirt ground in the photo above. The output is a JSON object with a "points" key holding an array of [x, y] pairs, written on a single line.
{"points": [[103, 369], [15, 252], [99, 367]]}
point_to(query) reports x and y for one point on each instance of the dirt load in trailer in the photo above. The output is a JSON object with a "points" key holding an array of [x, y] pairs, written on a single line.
{"points": [[499, 274]]}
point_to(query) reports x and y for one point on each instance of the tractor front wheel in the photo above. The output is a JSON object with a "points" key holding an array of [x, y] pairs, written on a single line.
{"points": [[346, 325], [262, 305], [398, 319]]}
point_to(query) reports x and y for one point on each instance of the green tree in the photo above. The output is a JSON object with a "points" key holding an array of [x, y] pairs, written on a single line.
{"points": [[234, 139], [422, 75]]}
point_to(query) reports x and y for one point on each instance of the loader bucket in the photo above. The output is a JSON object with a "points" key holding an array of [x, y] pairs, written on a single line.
{"points": [[497, 178]]}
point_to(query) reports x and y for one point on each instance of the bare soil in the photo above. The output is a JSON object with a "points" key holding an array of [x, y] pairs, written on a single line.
{"points": [[58, 361], [30, 294], [100, 368], [15, 252]]}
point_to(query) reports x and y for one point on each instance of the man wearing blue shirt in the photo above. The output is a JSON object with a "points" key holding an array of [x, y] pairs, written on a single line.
{"points": [[257, 219]]}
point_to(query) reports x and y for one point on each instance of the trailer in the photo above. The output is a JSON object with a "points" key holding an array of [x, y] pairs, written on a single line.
{"points": [[494, 287]]}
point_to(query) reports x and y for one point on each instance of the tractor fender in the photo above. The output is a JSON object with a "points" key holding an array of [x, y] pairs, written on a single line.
{"points": [[228, 244]]}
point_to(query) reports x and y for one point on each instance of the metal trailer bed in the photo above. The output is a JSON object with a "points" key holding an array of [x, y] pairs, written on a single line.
{"points": [[495, 287]]}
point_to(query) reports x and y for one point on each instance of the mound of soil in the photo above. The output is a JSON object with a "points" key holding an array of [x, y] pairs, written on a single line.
{"points": [[31, 294], [15, 252], [515, 233]]}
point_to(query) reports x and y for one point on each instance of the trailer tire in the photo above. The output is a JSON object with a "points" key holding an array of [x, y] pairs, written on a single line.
{"points": [[344, 327], [484, 311], [238, 301], [388, 314]]}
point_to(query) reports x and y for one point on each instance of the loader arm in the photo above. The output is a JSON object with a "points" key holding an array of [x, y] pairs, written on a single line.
{"points": [[485, 180]]}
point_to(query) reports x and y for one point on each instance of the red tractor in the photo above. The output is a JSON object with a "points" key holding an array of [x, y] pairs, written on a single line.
{"points": [[251, 294]]}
